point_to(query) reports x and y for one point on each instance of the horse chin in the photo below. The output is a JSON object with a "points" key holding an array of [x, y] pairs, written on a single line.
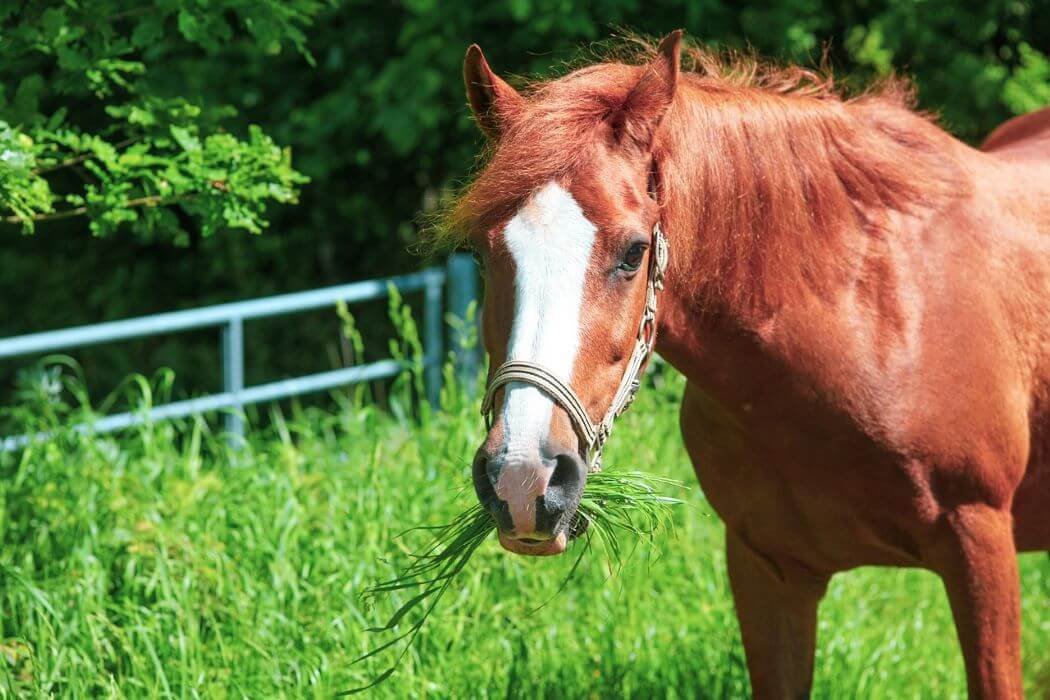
{"points": [[544, 548]]}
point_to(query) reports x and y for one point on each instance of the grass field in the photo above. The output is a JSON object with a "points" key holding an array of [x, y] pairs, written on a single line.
{"points": [[163, 563]]}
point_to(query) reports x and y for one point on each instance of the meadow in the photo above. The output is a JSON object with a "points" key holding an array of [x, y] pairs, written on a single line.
{"points": [[167, 561]]}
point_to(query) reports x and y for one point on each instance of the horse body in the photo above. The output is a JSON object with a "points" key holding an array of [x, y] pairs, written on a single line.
{"points": [[899, 419], [1023, 137], [860, 304], [817, 425], [1021, 148]]}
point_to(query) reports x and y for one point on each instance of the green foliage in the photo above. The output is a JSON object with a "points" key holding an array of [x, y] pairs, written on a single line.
{"points": [[616, 504], [22, 190], [164, 563], [1028, 87], [369, 98], [105, 132], [406, 347], [974, 63]]}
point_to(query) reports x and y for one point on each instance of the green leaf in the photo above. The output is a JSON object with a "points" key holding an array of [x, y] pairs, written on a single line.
{"points": [[1028, 87], [53, 21], [186, 139], [190, 26]]}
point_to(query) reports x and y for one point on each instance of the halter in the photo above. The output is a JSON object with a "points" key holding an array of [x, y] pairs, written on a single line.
{"points": [[593, 436]]}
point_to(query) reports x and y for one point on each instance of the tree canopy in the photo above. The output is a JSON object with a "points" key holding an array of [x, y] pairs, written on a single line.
{"points": [[140, 142], [99, 119]]}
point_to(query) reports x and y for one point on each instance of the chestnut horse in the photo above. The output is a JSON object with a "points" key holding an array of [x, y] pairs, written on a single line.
{"points": [[860, 304]]}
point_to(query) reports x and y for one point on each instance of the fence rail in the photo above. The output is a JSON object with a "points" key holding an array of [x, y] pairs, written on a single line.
{"points": [[459, 276]]}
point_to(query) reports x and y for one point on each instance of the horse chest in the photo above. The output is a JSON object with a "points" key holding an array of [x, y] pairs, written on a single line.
{"points": [[801, 480]]}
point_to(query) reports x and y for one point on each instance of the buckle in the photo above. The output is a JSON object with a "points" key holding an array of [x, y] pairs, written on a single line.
{"points": [[636, 384], [661, 255]]}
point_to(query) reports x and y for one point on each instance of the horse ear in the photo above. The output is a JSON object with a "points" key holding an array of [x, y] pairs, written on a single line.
{"points": [[494, 103], [648, 101]]}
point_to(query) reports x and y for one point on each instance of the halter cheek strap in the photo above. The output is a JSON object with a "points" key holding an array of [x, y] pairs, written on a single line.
{"points": [[593, 436]]}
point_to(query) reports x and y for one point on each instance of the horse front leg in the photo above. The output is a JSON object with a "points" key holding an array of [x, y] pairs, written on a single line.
{"points": [[777, 610], [977, 560]]}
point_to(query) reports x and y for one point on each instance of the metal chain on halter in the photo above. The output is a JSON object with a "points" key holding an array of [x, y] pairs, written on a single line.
{"points": [[593, 436]]}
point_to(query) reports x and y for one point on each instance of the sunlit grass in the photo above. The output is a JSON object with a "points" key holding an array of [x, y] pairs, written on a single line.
{"points": [[616, 504], [163, 562]]}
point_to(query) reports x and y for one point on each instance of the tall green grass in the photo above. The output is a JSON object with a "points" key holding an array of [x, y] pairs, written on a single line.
{"points": [[162, 562], [616, 504]]}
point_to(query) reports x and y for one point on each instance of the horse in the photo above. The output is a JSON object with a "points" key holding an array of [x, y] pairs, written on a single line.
{"points": [[859, 302]]}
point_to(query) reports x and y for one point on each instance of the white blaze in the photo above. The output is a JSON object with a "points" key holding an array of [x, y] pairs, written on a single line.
{"points": [[550, 240]]}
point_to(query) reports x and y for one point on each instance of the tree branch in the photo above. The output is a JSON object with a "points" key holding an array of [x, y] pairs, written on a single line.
{"points": [[144, 202], [82, 157]]}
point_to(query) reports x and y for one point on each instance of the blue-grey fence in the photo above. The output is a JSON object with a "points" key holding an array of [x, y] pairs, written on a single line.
{"points": [[458, 277]]}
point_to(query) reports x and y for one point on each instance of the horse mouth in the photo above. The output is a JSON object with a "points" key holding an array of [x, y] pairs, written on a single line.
{"points": [[535, 547], [545, 547]]}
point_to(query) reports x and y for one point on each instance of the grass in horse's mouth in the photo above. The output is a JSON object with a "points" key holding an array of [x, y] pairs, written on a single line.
{"points": [[614, 503]]}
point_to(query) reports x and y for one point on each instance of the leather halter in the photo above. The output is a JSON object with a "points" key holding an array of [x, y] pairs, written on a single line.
{"points": [[593, 436]]}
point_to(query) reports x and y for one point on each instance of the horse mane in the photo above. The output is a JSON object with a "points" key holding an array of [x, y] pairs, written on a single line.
{"points": [[766, 166]]}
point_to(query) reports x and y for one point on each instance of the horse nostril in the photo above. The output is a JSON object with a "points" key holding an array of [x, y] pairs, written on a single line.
{"points": [[569, 474], [482, 471], [484, 484], [562, 496]]}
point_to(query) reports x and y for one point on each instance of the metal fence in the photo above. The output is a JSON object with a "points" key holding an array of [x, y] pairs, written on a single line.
{"points": [[458, 277]]}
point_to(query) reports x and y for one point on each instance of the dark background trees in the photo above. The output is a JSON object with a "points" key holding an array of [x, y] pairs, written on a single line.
{"points": [[142, 116]]}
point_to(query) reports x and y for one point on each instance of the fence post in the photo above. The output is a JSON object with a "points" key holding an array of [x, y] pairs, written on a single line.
{"points": [[233, 372], [462, 276], [432, 340]]}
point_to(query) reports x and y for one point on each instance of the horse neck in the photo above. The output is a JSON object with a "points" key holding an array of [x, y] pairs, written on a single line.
{"points": [[768, 197]]}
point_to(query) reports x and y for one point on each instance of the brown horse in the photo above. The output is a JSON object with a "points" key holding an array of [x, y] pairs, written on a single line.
{"points": [[860, 304]]}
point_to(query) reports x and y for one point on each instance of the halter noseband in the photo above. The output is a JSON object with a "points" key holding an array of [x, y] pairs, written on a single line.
{"points": [[593, 436]]}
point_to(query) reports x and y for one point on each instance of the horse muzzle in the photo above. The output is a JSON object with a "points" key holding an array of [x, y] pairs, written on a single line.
{"points": [[533, 500]]}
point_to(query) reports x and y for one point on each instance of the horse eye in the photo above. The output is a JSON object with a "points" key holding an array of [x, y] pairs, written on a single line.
{"points": [[632, 259], [477, 258]]}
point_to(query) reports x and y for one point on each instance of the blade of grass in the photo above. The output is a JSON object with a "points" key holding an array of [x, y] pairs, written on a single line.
{"points": [[614, 503]]}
